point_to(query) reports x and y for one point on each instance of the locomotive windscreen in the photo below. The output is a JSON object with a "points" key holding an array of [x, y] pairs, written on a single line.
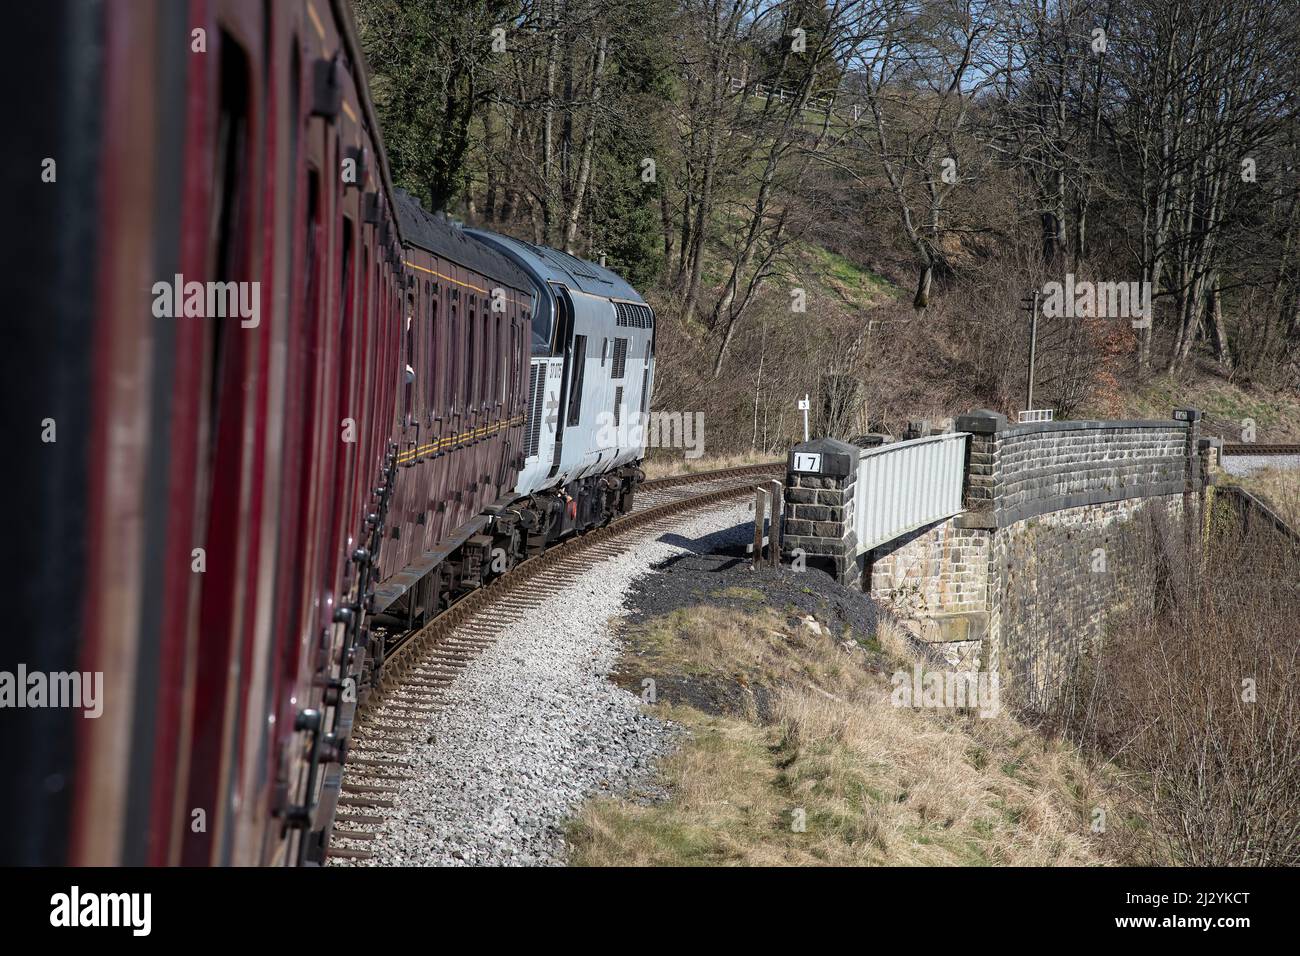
{"points": [[543, 321]]}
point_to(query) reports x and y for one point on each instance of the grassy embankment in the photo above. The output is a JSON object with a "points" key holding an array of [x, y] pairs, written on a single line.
{"points": [[876, 783]]}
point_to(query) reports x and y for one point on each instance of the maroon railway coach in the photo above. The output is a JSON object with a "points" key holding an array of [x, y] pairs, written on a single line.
{"points": [[461, 413], [220, 499]]}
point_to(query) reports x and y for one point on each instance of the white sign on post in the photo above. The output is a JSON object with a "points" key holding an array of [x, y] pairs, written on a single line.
{"points": [[807, 462]]}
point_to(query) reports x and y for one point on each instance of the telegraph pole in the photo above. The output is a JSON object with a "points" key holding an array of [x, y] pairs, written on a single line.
{"points": [[1032, 304]]}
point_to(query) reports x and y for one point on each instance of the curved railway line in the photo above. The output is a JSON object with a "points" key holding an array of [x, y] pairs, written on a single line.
{"points": [[425, 663]]}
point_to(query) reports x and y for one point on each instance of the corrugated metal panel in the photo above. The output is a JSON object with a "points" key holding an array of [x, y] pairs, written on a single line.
{"points": [[907, 485]]}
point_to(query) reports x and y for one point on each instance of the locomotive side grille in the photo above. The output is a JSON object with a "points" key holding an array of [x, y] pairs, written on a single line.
{"points": [[620, 358], [633, 316], [536, 386], [618, 405]]}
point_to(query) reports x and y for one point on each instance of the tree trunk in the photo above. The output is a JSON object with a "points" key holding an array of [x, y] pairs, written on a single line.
{"points": [[1219, 331], [922, 298], [548, 136], [588, 147]]}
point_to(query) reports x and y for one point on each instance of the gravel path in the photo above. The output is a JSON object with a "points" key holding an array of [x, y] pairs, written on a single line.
{"points": [[1247, 464], [532, 726]]}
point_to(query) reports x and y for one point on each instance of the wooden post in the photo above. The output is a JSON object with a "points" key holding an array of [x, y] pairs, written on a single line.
{"points": [[777, 493], [760, 503]]}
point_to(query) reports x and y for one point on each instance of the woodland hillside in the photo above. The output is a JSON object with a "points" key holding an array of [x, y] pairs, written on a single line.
{"points": [[854, 198]]}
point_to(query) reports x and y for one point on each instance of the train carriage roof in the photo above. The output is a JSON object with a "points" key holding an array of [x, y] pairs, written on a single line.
{"points": [[552, 265], [435, 234]]}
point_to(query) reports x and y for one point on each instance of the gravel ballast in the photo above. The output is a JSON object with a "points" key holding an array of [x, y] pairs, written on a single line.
{"points": [[533, 726], [1249, 464]]}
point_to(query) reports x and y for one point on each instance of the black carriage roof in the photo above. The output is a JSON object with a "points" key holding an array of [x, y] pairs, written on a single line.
{"points": [[436, 234]]}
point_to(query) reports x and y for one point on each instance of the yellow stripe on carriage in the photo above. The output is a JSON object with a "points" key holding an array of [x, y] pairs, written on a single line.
{"points": [[483, 431], [435, 272]]}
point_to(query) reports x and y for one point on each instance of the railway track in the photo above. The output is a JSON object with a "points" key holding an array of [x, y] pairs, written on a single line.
{"points": [[1252, 449], [419, 671]]}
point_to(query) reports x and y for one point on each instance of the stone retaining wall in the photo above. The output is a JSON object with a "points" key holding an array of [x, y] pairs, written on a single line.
{"points": [[1066, 522], [1015, 472]]}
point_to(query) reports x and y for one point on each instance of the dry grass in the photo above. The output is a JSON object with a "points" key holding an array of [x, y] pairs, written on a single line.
{"points": [[666, 463], [1279, 488], [1226, 406], [877, 784], [1196, 693]]}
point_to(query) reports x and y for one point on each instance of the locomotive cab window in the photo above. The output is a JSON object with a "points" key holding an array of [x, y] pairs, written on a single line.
{"points": [[541, 324]]}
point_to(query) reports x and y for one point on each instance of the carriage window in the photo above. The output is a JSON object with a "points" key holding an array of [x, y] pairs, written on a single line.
{"points": [[508, 380], [575, 384], [453, 372], [345, 275], [409, 371], [507, 356], [487, 374], [227, 225], [430, 292], [348, 383], [222, 452], [469, 356]]}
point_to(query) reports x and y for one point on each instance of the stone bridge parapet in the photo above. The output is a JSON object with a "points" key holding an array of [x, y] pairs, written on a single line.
{"points": [[1060, 524]]}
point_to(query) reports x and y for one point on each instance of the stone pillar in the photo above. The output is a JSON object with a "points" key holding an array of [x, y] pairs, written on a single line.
{"points": [[819, 520], [1192, 418], [980, 493], [1192, 477], [1211, 454], [1210, 460]]}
